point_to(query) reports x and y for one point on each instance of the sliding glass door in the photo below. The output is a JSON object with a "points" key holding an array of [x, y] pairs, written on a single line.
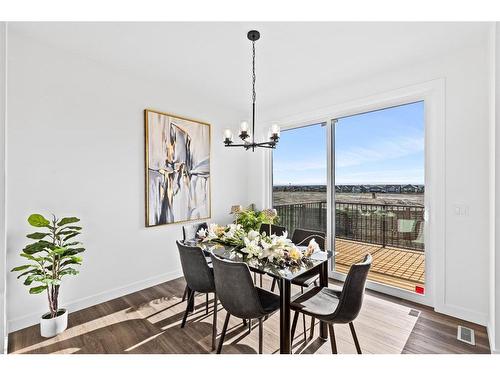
{"points": [[359, 179], [379, 194], [299, 174]]}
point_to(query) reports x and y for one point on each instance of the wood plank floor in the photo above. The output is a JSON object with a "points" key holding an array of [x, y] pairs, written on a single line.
{"points": [[148, 321], [393, 266]]}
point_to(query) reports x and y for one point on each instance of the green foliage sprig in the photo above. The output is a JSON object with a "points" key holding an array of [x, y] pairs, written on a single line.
{"points": [[53, 255], [252, 220]]}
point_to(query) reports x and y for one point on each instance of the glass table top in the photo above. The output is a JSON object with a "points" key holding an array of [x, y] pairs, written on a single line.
{"points": [[289, 272]]}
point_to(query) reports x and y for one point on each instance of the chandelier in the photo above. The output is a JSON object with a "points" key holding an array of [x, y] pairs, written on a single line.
{"points": [[245, 135]]}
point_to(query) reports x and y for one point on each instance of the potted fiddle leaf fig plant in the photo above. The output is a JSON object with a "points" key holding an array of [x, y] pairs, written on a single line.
{"points": [[52, 256]]}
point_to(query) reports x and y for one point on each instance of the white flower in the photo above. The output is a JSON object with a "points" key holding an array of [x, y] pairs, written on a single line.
{"points": [[211, 235], [253, 235], [252, 248], [231, 231], [294, 253], [311, 248], [202, 233]]}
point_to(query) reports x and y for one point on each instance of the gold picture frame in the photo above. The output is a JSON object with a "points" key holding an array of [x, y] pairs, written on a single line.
{"points": [[177, 156]]}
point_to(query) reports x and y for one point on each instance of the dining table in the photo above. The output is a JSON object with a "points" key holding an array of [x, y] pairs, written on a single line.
{"points": [[283, 274]]}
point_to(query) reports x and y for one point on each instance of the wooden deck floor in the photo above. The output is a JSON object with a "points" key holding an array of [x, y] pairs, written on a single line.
{"points": [[392, 266]]}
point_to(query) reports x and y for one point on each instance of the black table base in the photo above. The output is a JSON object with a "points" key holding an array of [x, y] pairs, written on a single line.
{"points": [[285, 294]]}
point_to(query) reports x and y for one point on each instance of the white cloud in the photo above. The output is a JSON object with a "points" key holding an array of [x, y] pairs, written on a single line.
{"points": [[379, 150]]}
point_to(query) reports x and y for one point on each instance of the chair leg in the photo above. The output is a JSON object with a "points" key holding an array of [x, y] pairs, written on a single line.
{"points": [[249, 325], [223, 334], [206, 303], [190, 299], [355, 337], [186, 292], [303, 317], [214, 323], [311, 335], [244, 322], [294, 325], [273, 285], [332, 339], [255, 278], [260, 280], [261, 329]]}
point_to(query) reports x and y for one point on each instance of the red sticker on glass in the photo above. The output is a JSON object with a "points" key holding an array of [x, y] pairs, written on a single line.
{"points": [[419, 289]]}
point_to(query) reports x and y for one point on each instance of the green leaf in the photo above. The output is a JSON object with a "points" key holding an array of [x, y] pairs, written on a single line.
{"points": [[66, 232], [38, 289], [28, 256], [74, 251], [67, 220], [34, 271], [37, 235], [50, 281], [72, 244], [20, 268], [73, 260], [37, 220], [68, 271], [71, 236], [59, 250], [74, 228], [37, 247]]}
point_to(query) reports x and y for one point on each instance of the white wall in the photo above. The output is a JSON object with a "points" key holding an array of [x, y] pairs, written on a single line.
{"points": [[76, 147], [3, 67], [496, 258], [466, 289]]}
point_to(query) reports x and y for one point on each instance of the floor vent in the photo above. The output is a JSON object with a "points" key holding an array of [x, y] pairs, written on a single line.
{"points": [[466, 335], [414, 312]]}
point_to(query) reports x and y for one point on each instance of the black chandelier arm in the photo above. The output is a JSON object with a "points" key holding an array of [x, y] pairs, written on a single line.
{"points": [[270, 143], [252, 145]]}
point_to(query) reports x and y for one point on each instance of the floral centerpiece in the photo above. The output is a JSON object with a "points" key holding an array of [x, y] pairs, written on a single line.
{"points": [[278, 250]]}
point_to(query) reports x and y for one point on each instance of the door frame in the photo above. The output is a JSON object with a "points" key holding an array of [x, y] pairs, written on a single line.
{"points": [[432, 93]]}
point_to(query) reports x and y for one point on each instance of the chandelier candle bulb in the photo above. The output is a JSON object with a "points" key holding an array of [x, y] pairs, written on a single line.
{"points": [[244, 126], [275, 129], [228, 135]]}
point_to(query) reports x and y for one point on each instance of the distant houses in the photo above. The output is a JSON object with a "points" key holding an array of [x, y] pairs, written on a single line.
{"points": [[356, 189]]}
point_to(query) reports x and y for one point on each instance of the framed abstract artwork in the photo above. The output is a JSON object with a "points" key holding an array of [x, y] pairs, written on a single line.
{"points": [[177, 155]]}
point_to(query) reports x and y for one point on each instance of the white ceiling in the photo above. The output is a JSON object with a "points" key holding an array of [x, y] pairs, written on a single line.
{"points": [[293, 59]]}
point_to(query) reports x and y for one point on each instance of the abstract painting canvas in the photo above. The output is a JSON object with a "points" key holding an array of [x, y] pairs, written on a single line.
{"points": [[177, 169]]}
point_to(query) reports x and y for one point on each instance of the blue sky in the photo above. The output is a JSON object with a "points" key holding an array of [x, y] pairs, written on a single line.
{"points": [[381, 147]]}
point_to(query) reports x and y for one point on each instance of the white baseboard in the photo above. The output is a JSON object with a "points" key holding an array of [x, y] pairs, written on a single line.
{"points": [[464, 314], [82, 303]]}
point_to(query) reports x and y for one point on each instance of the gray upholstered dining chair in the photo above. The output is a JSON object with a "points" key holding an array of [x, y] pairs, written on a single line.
{"points": [[272, 229], [189, 233], [199, 277], [335, 306], [240, 297]]}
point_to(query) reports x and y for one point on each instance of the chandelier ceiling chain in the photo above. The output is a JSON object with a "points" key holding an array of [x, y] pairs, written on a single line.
{"points": [[247, 137], [254, 95]]}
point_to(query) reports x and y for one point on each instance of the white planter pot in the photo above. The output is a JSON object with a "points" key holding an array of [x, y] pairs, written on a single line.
{"points": [[50, 327]]}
